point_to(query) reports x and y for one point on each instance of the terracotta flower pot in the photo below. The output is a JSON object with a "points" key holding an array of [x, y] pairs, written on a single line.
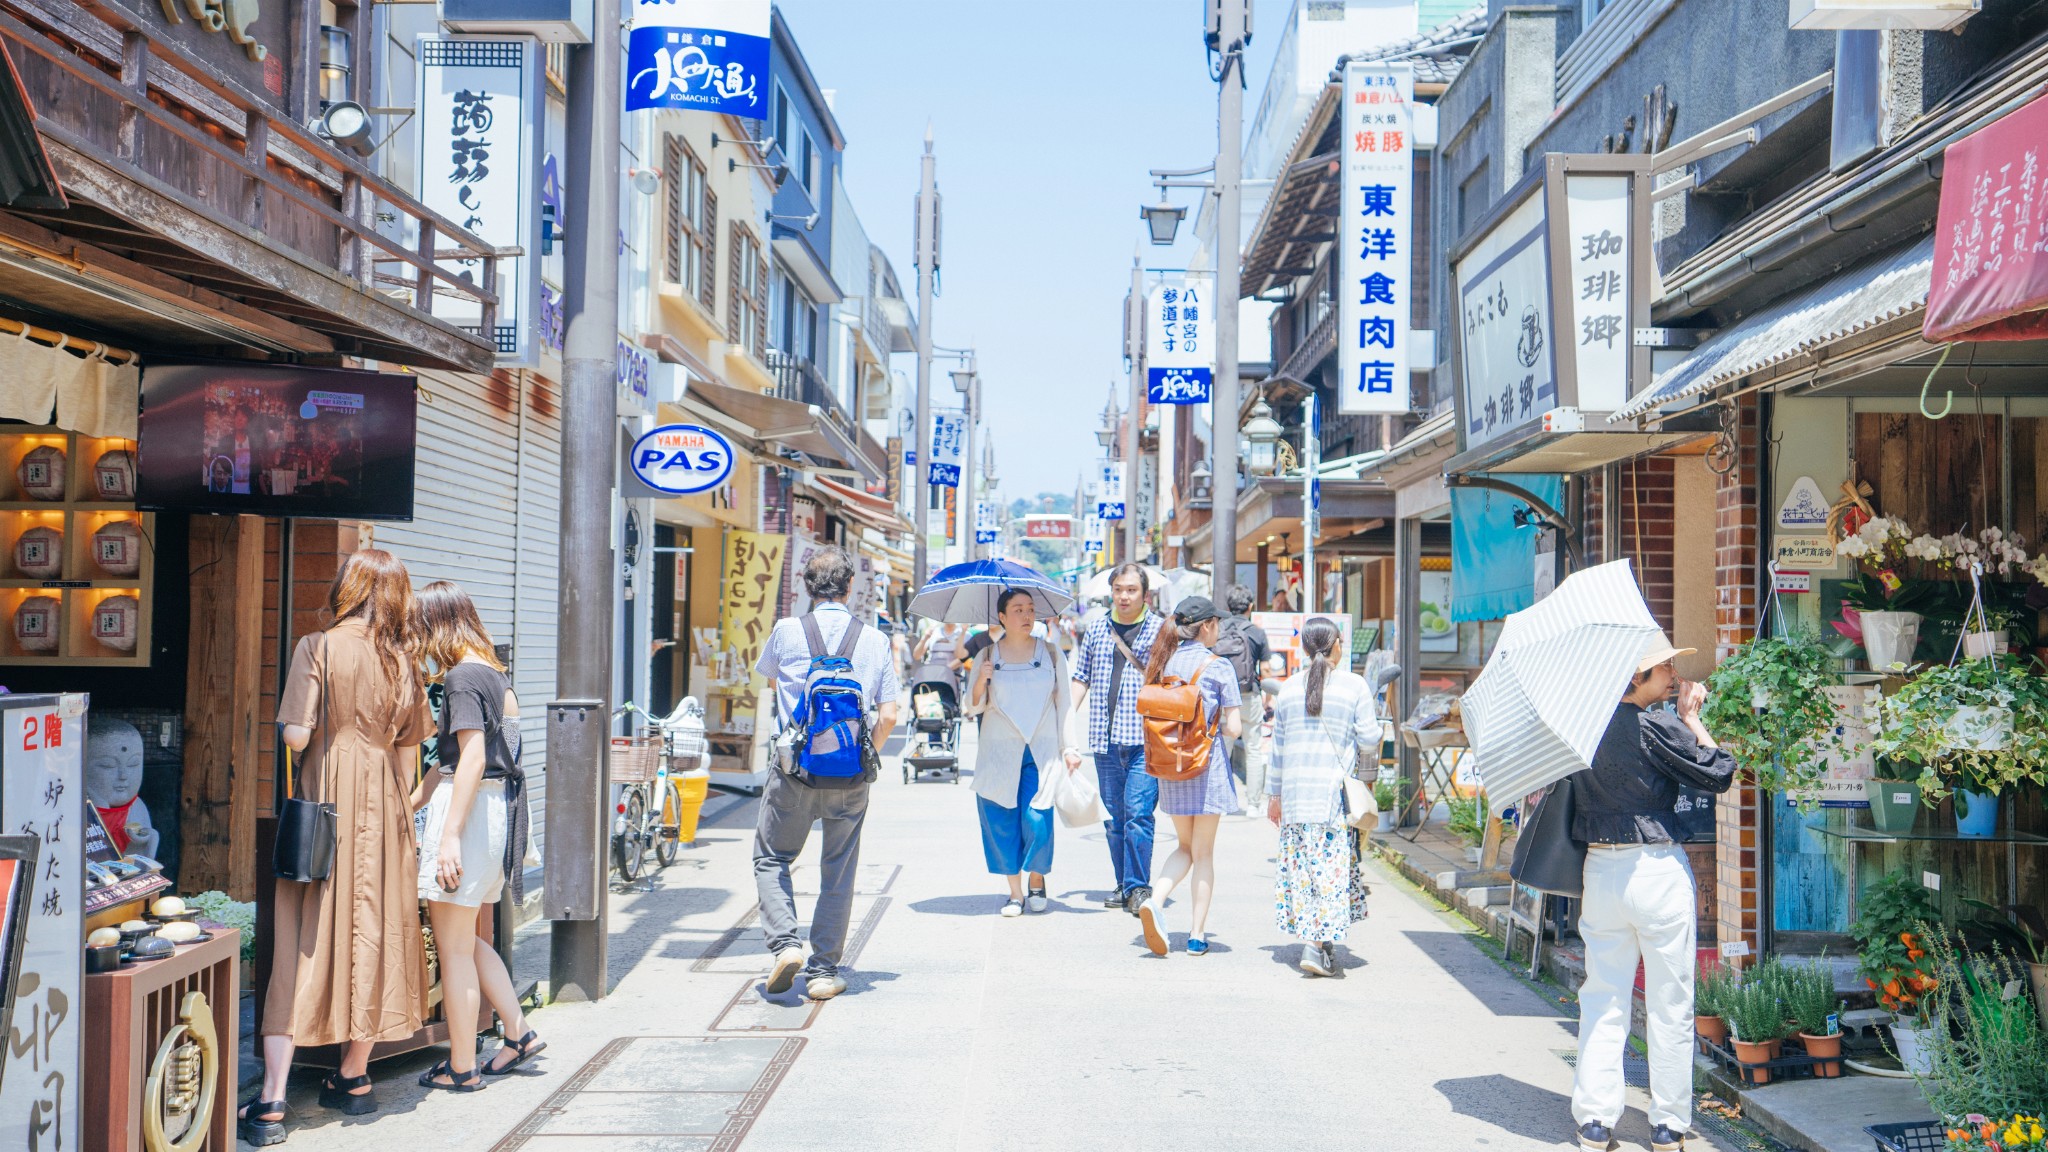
{"points": [[1712, 1029], [1824, 1046], [1749, 1053]]}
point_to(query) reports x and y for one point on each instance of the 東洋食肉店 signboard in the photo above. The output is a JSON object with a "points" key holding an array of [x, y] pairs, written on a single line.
{"points": [[1179, 355], [1550, 287], [480, 109], [1376, 209]]}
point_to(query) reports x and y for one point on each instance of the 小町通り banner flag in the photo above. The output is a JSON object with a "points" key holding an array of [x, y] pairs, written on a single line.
{"points": [[699, 56]]}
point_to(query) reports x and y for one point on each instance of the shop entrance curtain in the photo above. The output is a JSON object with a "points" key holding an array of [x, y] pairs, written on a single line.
{"points": [[1493, 563]]}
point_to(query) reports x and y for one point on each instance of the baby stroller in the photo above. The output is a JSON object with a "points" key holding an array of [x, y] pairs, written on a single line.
{"points": [[934, 731]]}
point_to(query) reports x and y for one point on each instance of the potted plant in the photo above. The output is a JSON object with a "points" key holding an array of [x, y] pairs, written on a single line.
{"points": [[1810, 995], [1389, 795], [1984, 1053], [1710, 1004], [1887, 601], [1976, 728], [1783, 742], [1758, 1021], [1891, 958], [2024, 930], [1468, 823], [1894, 794]]}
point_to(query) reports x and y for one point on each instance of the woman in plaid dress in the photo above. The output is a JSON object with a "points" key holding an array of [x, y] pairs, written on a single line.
{"points": [[1198, 803]]}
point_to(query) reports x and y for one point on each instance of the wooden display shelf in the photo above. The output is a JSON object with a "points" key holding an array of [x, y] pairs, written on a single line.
{"points": [[127, 1015], [80, 582]]}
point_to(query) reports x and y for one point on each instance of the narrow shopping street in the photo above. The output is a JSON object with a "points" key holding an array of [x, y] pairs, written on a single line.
{"points": [[964, 1030]]}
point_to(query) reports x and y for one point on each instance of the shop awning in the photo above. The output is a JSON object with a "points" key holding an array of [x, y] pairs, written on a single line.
{"points": [[1885, 288], [864, 506], [786, 423], [1493, 560], [1271, 509], [1533, 449]]}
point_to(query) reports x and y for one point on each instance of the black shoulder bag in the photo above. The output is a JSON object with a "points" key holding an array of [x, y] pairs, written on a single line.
{"points": [[1546, 857], [305, 830]]}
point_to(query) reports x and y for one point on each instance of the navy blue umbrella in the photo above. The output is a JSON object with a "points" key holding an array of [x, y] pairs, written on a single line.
{"points": [[967, 593]]}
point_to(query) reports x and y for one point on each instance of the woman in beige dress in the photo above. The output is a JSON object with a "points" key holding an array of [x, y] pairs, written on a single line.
{"points": [[349, 966]]}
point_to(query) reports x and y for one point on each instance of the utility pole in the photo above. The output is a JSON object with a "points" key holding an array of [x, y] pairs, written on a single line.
{"points": [[971, 398], [579, 720], [1311, 500], [1233, 33], [927, 273], [1134, 355]]}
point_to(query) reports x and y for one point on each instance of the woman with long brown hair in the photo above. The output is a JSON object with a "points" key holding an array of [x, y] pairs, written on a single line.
{"points": [[348, 965], [1197, 803], [475, 840]]}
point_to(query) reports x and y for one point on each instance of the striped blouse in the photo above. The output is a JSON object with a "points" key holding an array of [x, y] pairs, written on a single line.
{"points": [[1312, 754]]}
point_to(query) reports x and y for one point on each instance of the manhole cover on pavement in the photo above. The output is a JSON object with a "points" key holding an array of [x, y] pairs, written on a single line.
{"points": [[660, 1094]]}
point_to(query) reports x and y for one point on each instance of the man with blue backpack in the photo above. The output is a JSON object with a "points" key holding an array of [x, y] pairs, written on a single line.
{"points": [[835, 703]]}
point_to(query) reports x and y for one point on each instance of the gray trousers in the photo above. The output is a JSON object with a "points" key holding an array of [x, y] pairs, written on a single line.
{"points": [[787, 811]]}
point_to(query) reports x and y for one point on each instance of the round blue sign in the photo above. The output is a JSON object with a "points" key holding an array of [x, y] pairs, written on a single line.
{"points": [[680, 459]]}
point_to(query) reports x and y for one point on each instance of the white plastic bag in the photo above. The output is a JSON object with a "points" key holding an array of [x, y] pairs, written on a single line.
{"points": [[1076, 799]]}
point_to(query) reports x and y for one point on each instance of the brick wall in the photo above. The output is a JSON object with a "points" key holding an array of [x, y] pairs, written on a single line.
{"points": [[1645, 503], [318, 548], [1738, 847]]}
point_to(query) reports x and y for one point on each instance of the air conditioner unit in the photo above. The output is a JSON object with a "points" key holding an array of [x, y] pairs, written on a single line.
{"points": [[554, 21], [1901, 15]]}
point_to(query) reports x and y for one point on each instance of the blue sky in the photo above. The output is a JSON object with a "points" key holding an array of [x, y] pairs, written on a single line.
{"points": [[1047, 116]]}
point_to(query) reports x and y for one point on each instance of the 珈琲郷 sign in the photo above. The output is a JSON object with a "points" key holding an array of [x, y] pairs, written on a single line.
{"points": [[680, 459], [699, 56]]}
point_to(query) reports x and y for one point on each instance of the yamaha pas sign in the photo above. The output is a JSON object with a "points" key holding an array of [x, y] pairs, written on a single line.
{"points": [[681, 459]]}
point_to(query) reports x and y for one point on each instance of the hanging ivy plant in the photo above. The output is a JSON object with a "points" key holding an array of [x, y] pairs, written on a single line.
{"points": [[1768, 706], [1979, 724]]}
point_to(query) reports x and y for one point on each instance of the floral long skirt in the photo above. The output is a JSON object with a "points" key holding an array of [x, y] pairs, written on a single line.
{"points": [[1319, 887]]}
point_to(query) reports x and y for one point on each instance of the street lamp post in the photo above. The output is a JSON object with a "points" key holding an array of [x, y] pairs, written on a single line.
{"points": [[967, 382], [1232, 32], [927, 272]]}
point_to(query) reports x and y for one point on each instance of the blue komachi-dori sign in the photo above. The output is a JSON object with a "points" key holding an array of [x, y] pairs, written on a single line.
{"points": [[1178, 351], [681, 459], [699, 56]]}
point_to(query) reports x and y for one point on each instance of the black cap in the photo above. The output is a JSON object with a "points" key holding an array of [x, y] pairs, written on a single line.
{"points": [[1195, 609]]}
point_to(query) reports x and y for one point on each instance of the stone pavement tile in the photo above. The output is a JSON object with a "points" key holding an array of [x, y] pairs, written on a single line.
{"points": [[686, 1064], [754, 1010], [619, 1144], [650, 1112]]}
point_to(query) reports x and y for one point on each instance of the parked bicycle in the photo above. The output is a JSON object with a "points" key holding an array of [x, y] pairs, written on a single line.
{"points": [[649, 809]]}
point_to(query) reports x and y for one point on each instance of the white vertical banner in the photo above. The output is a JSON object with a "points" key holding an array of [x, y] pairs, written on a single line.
{"points": [[1092, 533], [1109, 498], [1376, 207], [987, 526], [1597, 215], [1179, 353], [479, 165], [949, 436], [1148, 491]]}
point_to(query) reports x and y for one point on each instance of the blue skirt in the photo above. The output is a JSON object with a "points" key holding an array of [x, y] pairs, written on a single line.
{"points": [[1017, 840]]}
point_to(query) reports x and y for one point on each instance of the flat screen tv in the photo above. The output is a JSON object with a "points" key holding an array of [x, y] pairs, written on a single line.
{"points": [[276, 441]]}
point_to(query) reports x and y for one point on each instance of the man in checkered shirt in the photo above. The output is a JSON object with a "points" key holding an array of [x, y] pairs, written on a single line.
{"points": [[1111, 660]]}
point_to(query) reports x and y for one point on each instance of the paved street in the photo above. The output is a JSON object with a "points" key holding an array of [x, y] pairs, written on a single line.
{"points": [[963, 1030]]}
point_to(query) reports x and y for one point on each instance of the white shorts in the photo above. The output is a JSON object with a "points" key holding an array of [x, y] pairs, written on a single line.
{"points": [[483, 846]]}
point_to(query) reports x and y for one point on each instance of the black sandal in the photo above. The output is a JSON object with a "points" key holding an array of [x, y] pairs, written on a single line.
{"points": [[251, 1126], [470, 1081], [528, 1046], [339, 1093]]}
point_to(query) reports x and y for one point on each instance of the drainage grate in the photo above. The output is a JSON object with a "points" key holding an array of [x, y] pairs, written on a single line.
{"points": [[649, 1092], [1739, 1135]]}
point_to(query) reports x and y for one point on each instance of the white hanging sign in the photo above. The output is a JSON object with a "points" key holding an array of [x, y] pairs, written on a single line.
{"points": [[949, 438], [987, 526], [1376, 206], [1109, 499], [1597, 211], [480, 107], [1091, 539], [1805, 509], [1179, 353]]}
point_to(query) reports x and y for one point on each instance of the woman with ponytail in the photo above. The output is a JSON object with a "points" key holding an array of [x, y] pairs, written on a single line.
{"points": [[1324, 726], [1197, 803]]}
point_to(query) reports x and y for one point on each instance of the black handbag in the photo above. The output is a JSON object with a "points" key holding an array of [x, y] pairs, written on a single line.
{"points": [[1546, 857], [305, 830]]}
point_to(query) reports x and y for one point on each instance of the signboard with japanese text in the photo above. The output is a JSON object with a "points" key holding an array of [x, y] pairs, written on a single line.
{"points": [[1109, 489], [635, 380], [949, 439], [1504, 328], [1179, 353], [1991, 233], [1283, 634], [1551, 287], [698, 56], [1148, 490], [480, 109], [987, 522], [749, 589], [1376, 205], [1048, 526], [1091, 533], [42, 794], [1846, 770]]}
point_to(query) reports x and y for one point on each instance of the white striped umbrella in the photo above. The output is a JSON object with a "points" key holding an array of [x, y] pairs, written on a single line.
{"points": [[1541, 704]]}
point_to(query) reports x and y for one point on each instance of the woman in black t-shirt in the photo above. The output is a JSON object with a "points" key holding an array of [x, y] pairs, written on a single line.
{"points": [[474, 846]]}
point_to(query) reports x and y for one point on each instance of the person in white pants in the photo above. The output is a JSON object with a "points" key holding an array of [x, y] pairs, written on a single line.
{"points": [[1639, 902]]}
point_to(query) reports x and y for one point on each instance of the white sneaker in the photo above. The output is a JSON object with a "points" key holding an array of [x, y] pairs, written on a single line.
{"points": [[825, 987], [1149, 916], [788, 963], [1314, 961], [1035, 904], [1012, 909]]}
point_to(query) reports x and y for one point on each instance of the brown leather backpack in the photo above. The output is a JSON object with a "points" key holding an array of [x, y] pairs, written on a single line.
{"points": [[1176, 740]]}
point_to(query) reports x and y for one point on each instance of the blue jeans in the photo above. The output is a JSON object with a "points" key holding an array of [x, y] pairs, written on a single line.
{"points": [[1129, 795]]}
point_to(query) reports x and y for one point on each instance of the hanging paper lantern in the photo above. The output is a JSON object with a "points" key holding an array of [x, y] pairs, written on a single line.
{"points": [[113, 477], [117, 548], [116, 621], [39, 553], [35, 624], [42, 473]]}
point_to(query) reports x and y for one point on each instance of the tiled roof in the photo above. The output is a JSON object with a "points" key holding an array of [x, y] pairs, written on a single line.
{"points": [[1442, 65]]}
